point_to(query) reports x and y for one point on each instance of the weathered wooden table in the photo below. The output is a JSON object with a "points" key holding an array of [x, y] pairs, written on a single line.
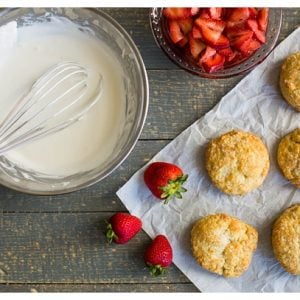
{"points": [[56, 243]]}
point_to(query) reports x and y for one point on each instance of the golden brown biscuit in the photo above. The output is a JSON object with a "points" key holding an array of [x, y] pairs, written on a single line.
{"points": [[286, 239], [223, 244], [237, 162], [288, 156], [290, 80]]}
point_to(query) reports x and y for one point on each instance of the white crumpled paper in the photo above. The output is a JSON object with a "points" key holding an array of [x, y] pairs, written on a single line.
{"points": [[255, 105]]}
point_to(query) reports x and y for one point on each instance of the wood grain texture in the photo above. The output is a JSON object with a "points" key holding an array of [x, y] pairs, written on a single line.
{"points": [[71, 248], [177, 99], [136, 22], [85, 288]]}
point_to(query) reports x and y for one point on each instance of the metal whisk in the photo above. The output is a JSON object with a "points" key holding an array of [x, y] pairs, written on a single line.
{"points": [[58, 99]]}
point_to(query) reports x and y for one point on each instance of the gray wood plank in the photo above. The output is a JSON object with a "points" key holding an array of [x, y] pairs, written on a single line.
{"points": [[84, 288], [177, 99], [136, 22], [71, 248], [99, 197]]}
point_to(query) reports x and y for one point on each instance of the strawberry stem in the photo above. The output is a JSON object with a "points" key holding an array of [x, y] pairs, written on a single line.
{"points": [[110, 234], [156, 270], [174, 188]]}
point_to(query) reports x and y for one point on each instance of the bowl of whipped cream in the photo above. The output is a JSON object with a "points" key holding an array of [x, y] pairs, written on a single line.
{"points": [[34, 39]]}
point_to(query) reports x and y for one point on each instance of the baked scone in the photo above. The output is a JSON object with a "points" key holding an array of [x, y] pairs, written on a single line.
{"points": [[288, 156], [290, 80], [237, 162], [223, 244], [286, 239]]}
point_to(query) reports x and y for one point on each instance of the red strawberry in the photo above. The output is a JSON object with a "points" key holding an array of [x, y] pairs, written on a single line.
{"points": [[175, 13], [239, 14], [228, 53], [249, 47], [158, 255], [175, 32], [260, 35], [185, 25], [235, 25], [238, 37], [211, 60], [196, 33], [252, 12], [215, 12], [211, 29], [262, 18], [122, 227], [222, 42], [165, 180], [195, 11], [196, 46], [183, 42], [204, 14]]}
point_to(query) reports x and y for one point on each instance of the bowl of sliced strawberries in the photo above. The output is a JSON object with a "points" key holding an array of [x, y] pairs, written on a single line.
{"points": [[216, 42]]}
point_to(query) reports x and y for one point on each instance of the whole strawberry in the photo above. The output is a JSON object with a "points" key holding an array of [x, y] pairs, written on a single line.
{"points": [[165, 180], [122, 227], [159, 255]]}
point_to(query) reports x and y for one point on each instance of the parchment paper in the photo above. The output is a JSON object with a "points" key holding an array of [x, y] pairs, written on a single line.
{"points": [[255, 105]]}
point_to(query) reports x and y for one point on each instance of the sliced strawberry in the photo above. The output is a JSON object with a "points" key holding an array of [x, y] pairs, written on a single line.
{"points": [[211, 29], [175, 32], [196, 46], [239, 14], [209, 52], [249, 47], [196, 33], [243, 47], [226, 13], [236, 25], [253, 25], [195, 11], [254, 45], [215, 12], [262, 18], [183, 42], [235, 32], [204, 14], [222, 42], [252, 12], [228, 53], [231, 57], [238, 37], [211, 61], [175, 13], [186, 25]]}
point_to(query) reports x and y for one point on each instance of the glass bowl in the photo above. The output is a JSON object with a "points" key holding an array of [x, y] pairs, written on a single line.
{"points": [[136, 106], [159, 28]]}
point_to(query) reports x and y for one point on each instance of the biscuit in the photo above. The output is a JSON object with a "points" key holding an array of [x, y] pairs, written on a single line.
{"points": [[237, 162], [289, 80], [223, 244], [286, 239], [288, 157]]}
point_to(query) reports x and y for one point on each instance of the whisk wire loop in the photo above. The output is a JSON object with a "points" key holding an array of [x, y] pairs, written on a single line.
{"points": [[58, 99]]}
